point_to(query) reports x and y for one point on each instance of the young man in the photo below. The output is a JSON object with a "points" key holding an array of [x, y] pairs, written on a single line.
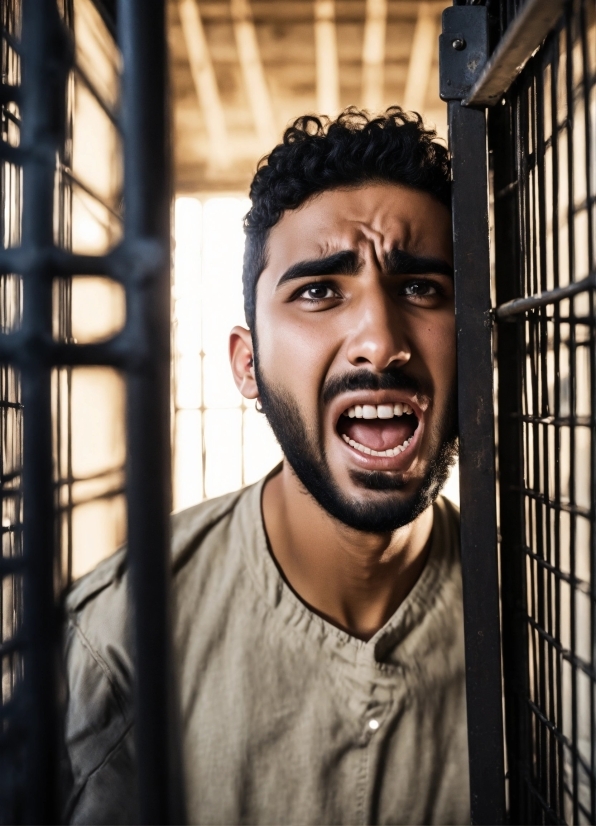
{"points": [[317, 614]]}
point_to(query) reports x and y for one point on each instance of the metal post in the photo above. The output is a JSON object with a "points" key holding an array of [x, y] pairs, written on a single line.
{"points": [[510, 350], [464, 49], [467, 131], [142, 351], [46, 58], [141, 29]]}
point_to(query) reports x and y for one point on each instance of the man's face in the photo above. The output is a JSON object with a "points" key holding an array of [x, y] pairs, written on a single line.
{"points": [[356, 350]]}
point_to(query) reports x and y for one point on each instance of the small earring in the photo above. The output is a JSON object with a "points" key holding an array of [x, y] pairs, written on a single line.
{"points": [[258, 406]]}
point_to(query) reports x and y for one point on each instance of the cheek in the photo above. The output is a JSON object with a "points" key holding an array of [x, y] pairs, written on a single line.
{"points": [[291, 353]]}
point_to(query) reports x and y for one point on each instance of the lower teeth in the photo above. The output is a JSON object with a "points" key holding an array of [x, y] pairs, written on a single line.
{"points": [[393, 451]]}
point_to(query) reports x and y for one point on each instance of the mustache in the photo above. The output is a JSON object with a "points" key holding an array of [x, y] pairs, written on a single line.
{"points": [[367, 380]]}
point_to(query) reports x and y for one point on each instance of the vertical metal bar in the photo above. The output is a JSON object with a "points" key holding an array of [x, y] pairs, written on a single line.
{"points": [[558, 718], [532, 286], [467, 131], [569, 92], [541, 242], [141, 29], [510, 351], [45, 50], [589, 160]]}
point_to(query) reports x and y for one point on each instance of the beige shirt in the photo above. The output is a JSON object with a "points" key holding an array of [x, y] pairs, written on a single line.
{"points": [[285, 718]]}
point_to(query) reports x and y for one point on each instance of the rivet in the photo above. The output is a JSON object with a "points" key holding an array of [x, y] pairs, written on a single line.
{"points": [[458, 44]]}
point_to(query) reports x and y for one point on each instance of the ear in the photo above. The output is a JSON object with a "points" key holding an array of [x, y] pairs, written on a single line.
{"points": [[241, 360]]}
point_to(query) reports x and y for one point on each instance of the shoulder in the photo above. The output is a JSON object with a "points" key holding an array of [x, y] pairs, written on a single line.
{"points": [[99, 659], [96, 610], [106, 586], [99, 677], [191, 527], [97, 606]]}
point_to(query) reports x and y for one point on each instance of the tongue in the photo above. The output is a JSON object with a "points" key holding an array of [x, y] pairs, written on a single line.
{"points": [[378, 434]]}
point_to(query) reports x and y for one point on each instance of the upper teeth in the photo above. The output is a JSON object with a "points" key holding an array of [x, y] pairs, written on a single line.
{"points": [[378, 411]]}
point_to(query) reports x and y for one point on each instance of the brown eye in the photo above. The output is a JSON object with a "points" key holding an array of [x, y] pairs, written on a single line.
{"points": [[318, 292], [420, 289]]}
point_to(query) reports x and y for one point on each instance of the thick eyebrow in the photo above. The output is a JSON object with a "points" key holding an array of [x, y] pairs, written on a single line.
{"points": [[340, 263], [399, 262]]}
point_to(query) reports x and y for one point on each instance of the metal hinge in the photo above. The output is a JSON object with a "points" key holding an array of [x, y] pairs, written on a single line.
{"points": [[463, 50]]}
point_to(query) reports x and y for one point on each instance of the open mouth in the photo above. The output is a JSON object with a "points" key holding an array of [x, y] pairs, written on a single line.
{"points": [[383, 430]]}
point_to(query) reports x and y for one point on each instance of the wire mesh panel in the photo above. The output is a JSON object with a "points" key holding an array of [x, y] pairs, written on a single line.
{"points": [[65, 248], [542, 137]]}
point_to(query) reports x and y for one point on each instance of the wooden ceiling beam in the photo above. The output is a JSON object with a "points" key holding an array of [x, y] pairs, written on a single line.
{"points": [[424, 48], [203, 76], [327, 63], [254, 74], [373, 55]]}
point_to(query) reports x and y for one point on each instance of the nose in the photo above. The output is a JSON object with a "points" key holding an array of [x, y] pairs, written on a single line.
{"points": [[378, 338]]}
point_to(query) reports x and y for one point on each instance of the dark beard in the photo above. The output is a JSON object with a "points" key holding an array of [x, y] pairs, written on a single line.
{"points": [[307, 457]]}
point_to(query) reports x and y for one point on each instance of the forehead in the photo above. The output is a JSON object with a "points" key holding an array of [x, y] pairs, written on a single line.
{"points": [[384, 215]]}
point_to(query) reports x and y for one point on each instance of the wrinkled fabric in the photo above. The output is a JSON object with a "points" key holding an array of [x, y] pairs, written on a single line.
{"points": [[285, 718]]}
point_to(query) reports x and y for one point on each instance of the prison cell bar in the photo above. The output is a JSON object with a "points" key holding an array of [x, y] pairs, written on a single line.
{"points": [[514, 644], [463, 51], [141, 263], [467, 135], [45, 61], [524, 35], [545, 780], [540, 780], [142, 37]]}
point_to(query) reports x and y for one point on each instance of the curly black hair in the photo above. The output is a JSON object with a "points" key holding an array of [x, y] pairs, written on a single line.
{"points": [[319, 154]]}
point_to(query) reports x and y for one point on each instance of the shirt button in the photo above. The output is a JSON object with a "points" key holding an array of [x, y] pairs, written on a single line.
{"points": [[373, 725]]}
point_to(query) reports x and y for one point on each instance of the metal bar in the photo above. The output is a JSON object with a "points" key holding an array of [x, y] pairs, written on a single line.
{"points": [[108, 110], [555, 246], [92, 194], [571, 259], [548, 688], [467, 133], [520, 305], [54, 261], [587, 81], [528, 728], [22, 347], [510, 455], [529, 28], [9, 93], [580, 584], [12, 41], [47, 52], [141, 30], [556, 504], [119, 351], [11, 154]]}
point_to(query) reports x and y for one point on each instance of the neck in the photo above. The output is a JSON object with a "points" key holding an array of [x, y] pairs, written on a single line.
{"points": [[354, 580]]}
